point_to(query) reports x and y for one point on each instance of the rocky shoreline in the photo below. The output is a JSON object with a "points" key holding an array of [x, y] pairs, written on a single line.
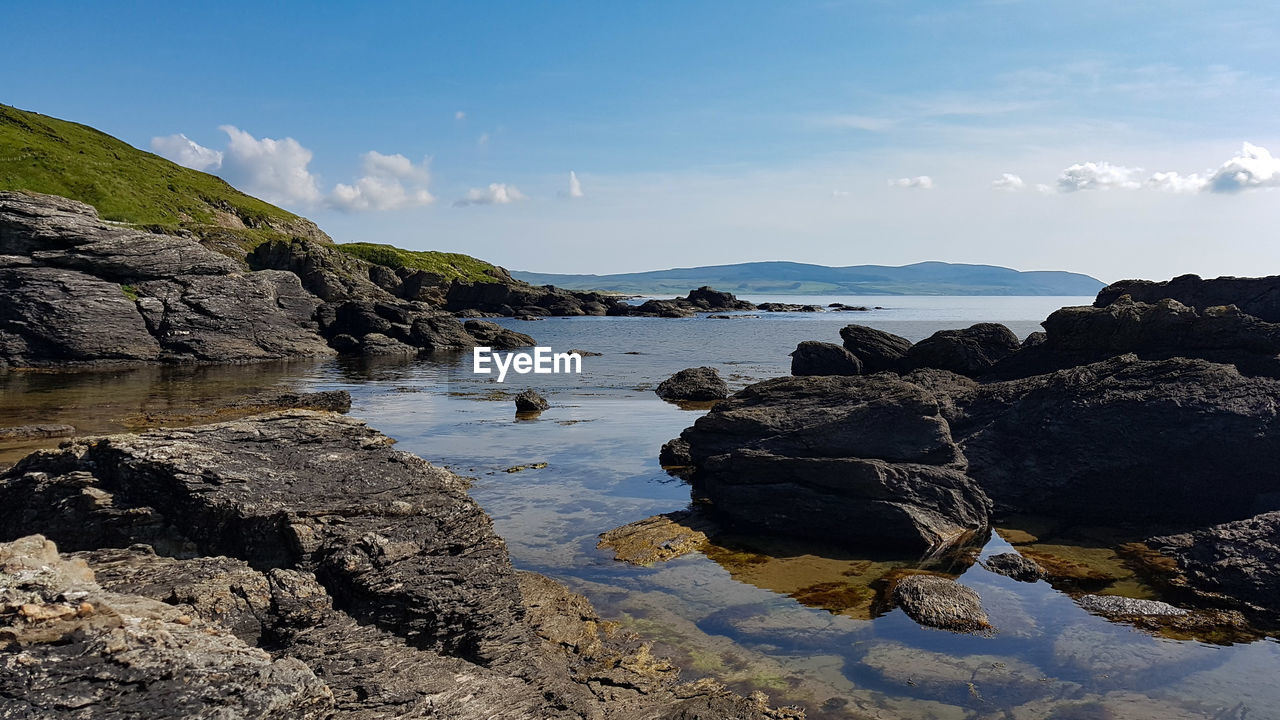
{"points": [[294, 564], [1150, 414]]}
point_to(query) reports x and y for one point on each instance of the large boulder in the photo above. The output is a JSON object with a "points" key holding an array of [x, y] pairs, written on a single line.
{"points": [[693, 384], [877, 350], [868, 460], [971, 351], [819, 358]]}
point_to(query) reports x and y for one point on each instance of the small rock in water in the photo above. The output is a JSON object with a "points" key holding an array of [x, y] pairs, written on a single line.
{"points": [[36, 432], [656, 539], [940, 602], [529, 401], [585, 353], [1015, 566], [700, 383]]}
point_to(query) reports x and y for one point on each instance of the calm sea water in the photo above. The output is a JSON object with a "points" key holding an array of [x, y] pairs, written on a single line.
{"points": [[801, 622]]}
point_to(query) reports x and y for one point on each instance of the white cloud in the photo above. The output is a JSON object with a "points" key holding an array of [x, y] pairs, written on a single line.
{"points": [[837, 194], [1177, 183], [922, 182], [866, 123], [575, 186], [1008, 182], [187, 152], [1099, 176], [483, 140], [495, 194], [275, 170], [459, 115], [382, 187], [1253, 167]]}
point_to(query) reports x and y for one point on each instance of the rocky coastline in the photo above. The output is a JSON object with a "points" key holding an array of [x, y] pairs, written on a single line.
{"points": [[1154, 412]]}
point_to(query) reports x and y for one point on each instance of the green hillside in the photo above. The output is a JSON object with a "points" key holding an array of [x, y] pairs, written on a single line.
{"points": [[453, 266], [43, 154]]}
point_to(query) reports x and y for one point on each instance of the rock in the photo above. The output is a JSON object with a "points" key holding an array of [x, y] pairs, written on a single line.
{"points": [[940, 602], [586, 353], [529, 401], [69, 648], [1015, 566], [675, 453], [510, 297], [1259, 297], [36, 432], [205, 487], [866, 460], [656, 539], [1164, 329], [820, 358], [379, 345], [877, 350], [1123, 441], [787, 307], [841, 307], [704, 299], [493, 335], [971, 352], [1234, 565], [1114, 606], [696, 384]]}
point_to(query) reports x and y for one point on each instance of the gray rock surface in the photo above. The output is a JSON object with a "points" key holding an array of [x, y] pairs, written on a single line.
{"points": [[696, 384], [1257, 296], [70, 649], [1114, 606], [819, 358], [941, 603]]}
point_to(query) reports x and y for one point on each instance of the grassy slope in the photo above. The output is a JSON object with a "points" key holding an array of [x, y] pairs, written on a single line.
{"points": [[450, 265], [47, 155]]}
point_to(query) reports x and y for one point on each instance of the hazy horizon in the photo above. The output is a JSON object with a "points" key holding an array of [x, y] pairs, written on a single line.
{"points": [[1113, 140]]}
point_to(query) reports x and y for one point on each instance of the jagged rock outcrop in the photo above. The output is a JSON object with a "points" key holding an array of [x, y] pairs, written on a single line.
{"points": [[71, 649], [367, 574], [1163, 329], [819, 358], [1258, 296], [700, 384], [79, 291], [512, 297], [877, 350], [866, 459]]}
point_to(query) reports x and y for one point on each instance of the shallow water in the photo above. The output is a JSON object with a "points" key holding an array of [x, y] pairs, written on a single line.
{"points": [[803, 623]]}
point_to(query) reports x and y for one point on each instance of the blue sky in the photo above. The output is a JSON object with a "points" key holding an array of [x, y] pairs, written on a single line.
{"points": [[698, 133]]}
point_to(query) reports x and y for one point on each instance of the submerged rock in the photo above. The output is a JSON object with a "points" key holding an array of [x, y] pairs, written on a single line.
{"points": [[1114, 606], [820, 358], [941, 603], [656, 539], [697, 384], [1015, 566], [36, 432]]}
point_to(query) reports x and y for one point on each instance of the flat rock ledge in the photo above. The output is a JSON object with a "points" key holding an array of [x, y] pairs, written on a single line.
{"points": [[294, 565]]}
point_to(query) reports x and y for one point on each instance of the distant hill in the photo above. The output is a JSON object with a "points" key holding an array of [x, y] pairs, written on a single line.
{"points": [[789, 278]]}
